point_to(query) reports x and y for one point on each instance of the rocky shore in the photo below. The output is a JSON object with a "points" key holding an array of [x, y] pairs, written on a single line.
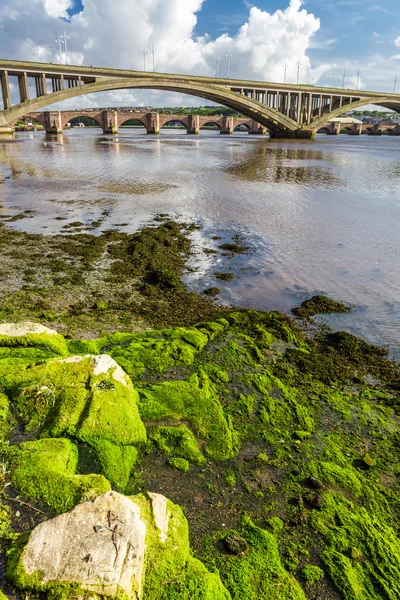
{"points": [[156, 446]]}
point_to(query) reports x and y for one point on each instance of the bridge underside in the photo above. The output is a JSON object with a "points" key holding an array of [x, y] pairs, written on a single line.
{"points": [[286, 111]]}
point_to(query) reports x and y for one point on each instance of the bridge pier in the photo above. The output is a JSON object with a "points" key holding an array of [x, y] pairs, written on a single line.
{"points": [[6, 131], [194, 124], [153, 123], [257, 129], [227, 126], [300, 134], [53, 123], [110, 122]]}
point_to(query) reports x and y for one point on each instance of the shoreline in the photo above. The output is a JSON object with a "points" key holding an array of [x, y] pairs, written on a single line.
{"points": [[281, 448]]}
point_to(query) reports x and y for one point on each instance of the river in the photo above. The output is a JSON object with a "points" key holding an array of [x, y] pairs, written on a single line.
{"points": [[318, 216]]}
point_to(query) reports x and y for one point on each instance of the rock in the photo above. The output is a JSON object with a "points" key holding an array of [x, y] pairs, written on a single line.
{"points": [[314, 499], [99, 545], [89, 398], [116, 547], [235, 544], [314, 483], [31, 334]]}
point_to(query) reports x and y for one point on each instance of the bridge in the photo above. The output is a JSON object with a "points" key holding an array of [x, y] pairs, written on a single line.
{"points": [[286, 110], [111, 120]]}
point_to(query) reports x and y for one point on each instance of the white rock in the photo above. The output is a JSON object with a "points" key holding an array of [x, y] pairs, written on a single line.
{"points": [[160, 513], [102, 363], [24, 328], [99, 545]]}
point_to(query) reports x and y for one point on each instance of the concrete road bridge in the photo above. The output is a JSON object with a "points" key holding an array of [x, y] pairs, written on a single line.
{"points": [[287, 110], [111, 120]]}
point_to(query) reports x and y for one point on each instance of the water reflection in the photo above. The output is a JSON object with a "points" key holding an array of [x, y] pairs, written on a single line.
{"points": [[288, 165], [318, 216]]}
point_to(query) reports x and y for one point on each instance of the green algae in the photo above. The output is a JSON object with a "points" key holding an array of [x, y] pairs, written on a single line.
{"points": [[179, 463], [171, 571], [312, 574], [235, 397], [194, 399], [177, 441], [52, 342], [45, 470], [259, 573], [320, 305]]}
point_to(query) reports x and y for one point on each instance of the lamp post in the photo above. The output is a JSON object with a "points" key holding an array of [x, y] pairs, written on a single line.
{"points": [[228, 64], [58, 41], [344, 78], [144, 52], [394, 84], [64, 39], [298, 71], [153, 49], [284, 72], [358, 78], [217, 61]]}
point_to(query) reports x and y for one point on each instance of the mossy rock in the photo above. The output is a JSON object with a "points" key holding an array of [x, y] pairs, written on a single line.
{"points": [[320, 305], [88, 398], [27, 334], [181, 464], [196, 400], [45, 471]]}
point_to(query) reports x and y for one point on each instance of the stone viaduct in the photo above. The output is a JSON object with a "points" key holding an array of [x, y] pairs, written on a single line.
{"points": [[111, 120], [286, 110]]}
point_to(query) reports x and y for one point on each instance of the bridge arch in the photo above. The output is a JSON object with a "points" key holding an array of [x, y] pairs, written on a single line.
{"points": [[138, 120], [165, 122], [384, 102], [239, 127], [215, 125], [251, 108], [94, 119]]}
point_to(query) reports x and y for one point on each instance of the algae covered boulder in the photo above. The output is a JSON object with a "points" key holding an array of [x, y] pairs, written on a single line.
{"points": [[89, 398], [115, 547], [33, 335], [45, 470]]}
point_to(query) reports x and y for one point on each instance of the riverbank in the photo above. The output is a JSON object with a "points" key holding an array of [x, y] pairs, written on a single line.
{"points": [[281, 448]]}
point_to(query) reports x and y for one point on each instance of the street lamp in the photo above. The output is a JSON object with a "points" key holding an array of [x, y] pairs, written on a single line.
{"points": [[58, 41], [153, 49], [228, 63], [394, 84], [358, 78], [217, 61], [144, 52], [344, 78], [298, 71], [64, 39], [284, 72]]}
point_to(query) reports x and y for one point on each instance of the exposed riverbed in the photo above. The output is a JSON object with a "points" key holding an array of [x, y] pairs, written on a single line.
{"points": [[317, 217]]}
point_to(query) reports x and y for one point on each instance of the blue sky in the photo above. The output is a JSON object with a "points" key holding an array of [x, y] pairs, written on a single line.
{"points": [[326, 37]]}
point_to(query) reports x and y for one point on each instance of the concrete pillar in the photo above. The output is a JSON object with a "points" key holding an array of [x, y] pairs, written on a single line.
{"points": [[227, 126], [110, 121], [53, 122], [5, 89], [194, 124], [23, 87]]}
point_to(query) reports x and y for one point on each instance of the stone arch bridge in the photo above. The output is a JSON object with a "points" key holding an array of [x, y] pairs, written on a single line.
{"points": [[111, 120], [286, 110]]}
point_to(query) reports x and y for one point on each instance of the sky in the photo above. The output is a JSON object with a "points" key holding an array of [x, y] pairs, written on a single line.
{"points": [[326, 40]]}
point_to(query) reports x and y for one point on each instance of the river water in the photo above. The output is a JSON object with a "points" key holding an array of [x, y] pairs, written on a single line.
{"points": [[318, 216]]}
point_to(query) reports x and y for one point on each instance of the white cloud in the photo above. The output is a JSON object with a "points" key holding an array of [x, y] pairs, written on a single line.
{"points": [[395, 57], [106, 34], [397, 42], [57, 8]]}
